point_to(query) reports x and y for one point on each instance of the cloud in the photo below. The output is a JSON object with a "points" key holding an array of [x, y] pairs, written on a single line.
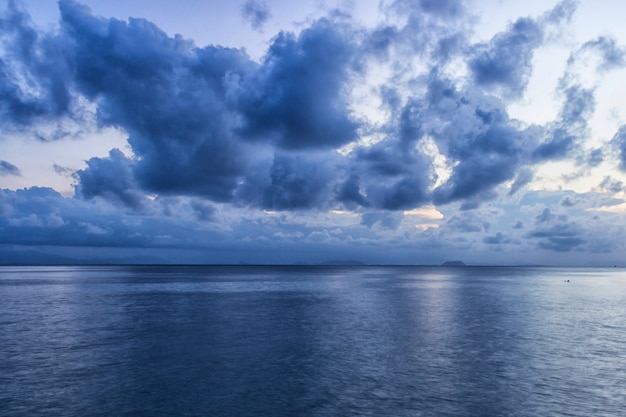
{"points": [[7, 168], [570, 128], [169, 96], [446, 8], [562, 237], [385, 220], [505, 63], [556, 232], [619, 141], [610, 54], [64, 171], [547, 216], [611, 185], [40, 92], [595, 157], [350, 193], [524, 177], [562, 12], [197, 116], [567, 202], [265, 148], [203, 210], [43, 217], [111, 178], [296, 183], [296, 99], [484, 144], [391, 177], [467, 222], [212, 123], [255, 12], [497, 239]]}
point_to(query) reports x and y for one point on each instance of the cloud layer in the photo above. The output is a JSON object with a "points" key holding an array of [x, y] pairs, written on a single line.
{"points": [[286, 133]]}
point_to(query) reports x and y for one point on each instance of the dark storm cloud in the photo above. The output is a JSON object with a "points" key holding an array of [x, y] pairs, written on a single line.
{"points": [[169, 96], [7, 168], [255, 12], [296, 98], [195, 115]]}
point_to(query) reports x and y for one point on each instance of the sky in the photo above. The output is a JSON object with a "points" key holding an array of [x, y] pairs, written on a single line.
{"points": [[384, 132]]}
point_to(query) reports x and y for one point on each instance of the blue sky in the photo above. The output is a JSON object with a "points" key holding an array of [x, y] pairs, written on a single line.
{"points": [[409, 132]]}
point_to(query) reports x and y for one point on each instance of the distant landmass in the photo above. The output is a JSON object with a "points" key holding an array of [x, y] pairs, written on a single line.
{"points": [[453, 263], [30, 257]]}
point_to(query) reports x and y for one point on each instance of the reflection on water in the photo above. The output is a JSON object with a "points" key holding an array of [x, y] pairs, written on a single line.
{"points": [[312, 341]]}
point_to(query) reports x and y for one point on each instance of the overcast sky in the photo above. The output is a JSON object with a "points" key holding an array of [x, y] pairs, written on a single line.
{"points": [[409, 132]]}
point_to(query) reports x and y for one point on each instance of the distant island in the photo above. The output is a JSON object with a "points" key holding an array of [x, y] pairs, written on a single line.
{"points": [[453, 263]]}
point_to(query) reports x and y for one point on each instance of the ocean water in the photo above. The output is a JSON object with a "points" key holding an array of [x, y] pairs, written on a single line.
{"points": [[312, 341]]}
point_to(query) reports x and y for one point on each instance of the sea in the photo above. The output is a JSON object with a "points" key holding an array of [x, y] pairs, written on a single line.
{"points": [[312, 341]]}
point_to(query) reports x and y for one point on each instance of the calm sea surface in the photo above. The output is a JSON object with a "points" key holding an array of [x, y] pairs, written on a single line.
{"points": [[312, 341]]}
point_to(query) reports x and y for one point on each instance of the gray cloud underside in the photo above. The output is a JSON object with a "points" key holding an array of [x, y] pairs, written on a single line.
{"points": [[211, 123], [7, 168]]}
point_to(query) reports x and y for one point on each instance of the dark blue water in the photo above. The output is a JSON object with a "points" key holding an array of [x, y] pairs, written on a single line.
{"points": [[312, 341]]}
